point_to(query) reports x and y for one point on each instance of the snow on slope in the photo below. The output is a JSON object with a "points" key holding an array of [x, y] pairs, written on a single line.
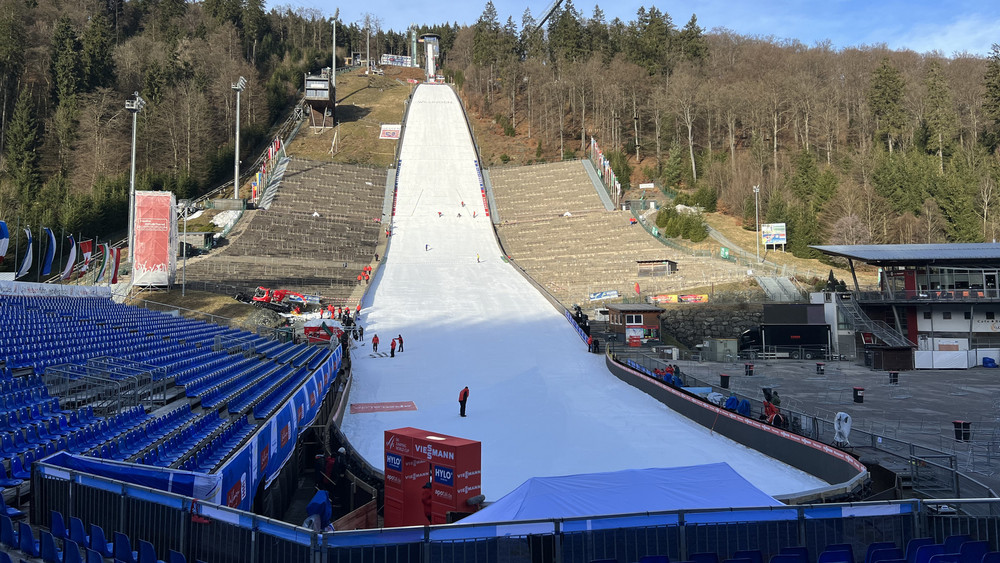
{"points": [[539, 403]]}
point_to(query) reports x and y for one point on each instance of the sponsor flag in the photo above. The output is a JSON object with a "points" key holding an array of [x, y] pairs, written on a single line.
{"points": [[68, 271], [86, 247], [106, 250], [26, 264], [637, 288], [4, 240], [50, 251], [116, 253]]}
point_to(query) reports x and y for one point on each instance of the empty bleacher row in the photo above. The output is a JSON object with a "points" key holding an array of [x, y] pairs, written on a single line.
{"points": [[321, 228], [591, 249], [98, 339]]}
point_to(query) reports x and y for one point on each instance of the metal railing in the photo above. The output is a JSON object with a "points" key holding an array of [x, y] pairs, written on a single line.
{"points": [[931, 472], [218, 534], [862, 323]]}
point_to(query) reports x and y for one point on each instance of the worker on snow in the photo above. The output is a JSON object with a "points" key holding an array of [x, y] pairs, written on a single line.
{"points": [[463, 396], [392, 348], [375, 343], [400, 339]]}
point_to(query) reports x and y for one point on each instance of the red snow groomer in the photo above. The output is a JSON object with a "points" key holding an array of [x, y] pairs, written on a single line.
{"points": [[278, 300]]}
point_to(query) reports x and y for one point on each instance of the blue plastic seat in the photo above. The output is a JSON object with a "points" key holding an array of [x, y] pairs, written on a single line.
{"points": [[973, 551], [123, 549], [883, 554], [5, 557], [754, 555], [176, 557], [913, 545], [57, 526], [71, 552], [707, 557], [94, 557], [6, 481], [925, 552], [17, 470], [147, 553], [50, 553], [8, 537], [77, 532], [98, 542], [953, 544], [9, 511], [26, 541], [648, 559], [835, 556]]}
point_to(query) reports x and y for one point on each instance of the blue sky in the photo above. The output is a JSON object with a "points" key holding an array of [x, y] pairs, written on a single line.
{"points": [[921, 25]]}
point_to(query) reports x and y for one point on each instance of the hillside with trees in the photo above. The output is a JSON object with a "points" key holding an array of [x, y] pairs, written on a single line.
{"points": [[66, 70], [861, 145]]}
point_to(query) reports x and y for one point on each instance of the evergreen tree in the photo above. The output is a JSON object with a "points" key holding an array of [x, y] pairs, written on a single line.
{"points": [[22, 142], [691, 43], [940, 118], [597, 36], [66, 63], [96, 58], [991, 102], [566, 34], [12, 54], [885, 98]]}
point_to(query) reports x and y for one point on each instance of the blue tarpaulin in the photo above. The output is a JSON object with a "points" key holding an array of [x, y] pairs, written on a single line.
{"points": [[714, 485], [185, 483]]}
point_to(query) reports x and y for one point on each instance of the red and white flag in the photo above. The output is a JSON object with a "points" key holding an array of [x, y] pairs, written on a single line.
{"points": [[86, 248]]}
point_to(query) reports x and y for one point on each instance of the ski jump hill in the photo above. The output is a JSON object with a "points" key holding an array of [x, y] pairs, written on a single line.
{"points": [[540, 404]]}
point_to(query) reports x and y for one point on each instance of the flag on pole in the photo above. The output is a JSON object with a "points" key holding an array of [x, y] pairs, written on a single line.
{"points": [[86, 248], [50, 251], [116, 253], [68, 272], [637, 288], [106, 250], [4, 240], [26, 264]]}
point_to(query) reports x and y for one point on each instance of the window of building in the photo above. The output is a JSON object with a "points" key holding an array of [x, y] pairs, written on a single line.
{"points": [[990, 315], [946, 315], [968, 315], [633, 319], [927, 314]]}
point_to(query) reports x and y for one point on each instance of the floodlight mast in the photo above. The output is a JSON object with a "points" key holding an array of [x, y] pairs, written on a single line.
{"points": [[134, 106], [239, 86]]}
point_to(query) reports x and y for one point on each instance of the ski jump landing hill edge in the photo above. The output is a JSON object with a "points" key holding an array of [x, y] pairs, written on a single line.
{"points": [[540, 403]]}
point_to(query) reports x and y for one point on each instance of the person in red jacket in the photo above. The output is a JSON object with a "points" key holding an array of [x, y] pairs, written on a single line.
{"points": [[375, 343], [400, 339], [463, 396], [425, 498], [392, 348]]}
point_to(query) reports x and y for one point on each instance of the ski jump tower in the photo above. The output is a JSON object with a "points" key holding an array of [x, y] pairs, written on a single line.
{"points": [[432, 51]]}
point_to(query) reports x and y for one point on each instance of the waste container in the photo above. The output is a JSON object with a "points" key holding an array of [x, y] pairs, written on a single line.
{"points": [[820, 368], [723, 381], [748, 369], [893, 378], [859, 394], [963, 430]]}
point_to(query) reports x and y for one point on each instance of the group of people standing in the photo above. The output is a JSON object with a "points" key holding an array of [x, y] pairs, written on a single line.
{"points": [[366, 273], [396, 343]]}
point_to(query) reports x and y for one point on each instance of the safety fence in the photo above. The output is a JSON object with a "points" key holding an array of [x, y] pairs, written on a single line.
{"points": [[931, 472], [218, 534]]}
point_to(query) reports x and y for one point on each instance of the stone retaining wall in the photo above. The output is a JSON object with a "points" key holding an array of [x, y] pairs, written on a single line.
{"points": [[693, 323]]}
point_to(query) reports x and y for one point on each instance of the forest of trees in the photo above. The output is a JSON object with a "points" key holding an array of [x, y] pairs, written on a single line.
{"points": [[863, 145], [858, 145], [66, 70]]}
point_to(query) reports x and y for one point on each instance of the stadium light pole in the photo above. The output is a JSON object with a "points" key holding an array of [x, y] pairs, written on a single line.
{"points": [[756, 218], [239, 86], [134, 106], [184, 249]]}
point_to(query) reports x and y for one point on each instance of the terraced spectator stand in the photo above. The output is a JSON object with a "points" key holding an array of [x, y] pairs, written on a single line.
{"points": [[321, 229], [590, 249]]}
